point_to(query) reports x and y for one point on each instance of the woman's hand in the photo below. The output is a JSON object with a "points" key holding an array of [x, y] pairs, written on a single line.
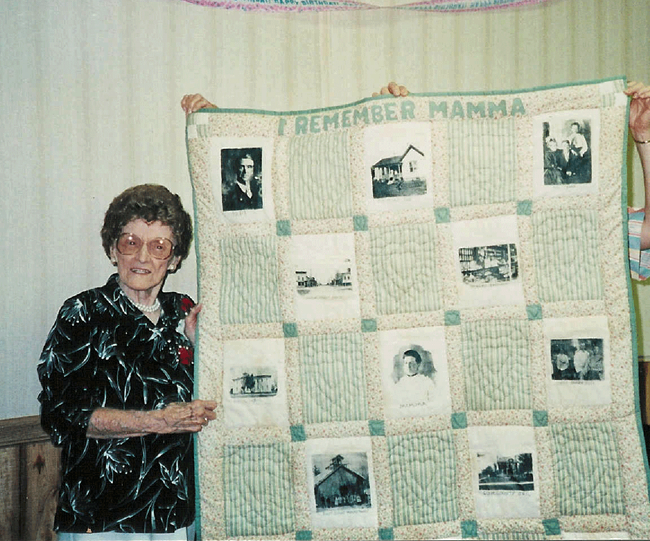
{"points": [[394, 89], [191, 321], [176, 418], [639, 110], [182, 417], [193, 102]]}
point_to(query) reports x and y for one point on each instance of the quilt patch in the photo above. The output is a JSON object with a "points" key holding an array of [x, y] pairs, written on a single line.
{"points": [[417, 319]]}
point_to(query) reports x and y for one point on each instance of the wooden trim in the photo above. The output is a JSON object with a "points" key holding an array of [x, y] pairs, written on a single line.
{"points": [[21, 430]]}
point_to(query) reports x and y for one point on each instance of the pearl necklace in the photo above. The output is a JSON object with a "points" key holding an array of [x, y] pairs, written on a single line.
{"points": [[147, 309]]}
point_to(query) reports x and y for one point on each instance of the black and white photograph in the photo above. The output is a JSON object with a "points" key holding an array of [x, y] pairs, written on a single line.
{"points": [[513, 472], [325, 277], [241, 179], [504, 466], [254, 383], [415, 373], [566, 152], [398, 164], [577, 359], [340, 482], [486, 258], [487, 265]]}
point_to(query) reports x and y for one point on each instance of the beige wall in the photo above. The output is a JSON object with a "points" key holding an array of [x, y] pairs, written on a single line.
{"points": [[89, 93]]}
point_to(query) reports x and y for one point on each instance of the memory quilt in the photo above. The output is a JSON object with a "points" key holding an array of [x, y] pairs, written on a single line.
{"points": [[417, 319]]}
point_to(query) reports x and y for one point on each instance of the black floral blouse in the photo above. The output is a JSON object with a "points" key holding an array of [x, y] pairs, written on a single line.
{"points": [[103, 352]]}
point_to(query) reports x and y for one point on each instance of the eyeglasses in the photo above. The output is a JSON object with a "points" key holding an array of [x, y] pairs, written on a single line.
{"points": [[159, 248]]}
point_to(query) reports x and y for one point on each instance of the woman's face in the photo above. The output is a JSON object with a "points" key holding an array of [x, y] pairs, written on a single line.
{"points": [[140, 272]]}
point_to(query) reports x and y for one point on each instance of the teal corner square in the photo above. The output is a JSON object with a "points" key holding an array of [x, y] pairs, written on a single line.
{"points": [[469, 528], [304, 535], [368, 325], [298, 433], [376, 429], [360, 223], [283, 228], [459, 420], [290, 330], [452, 317], [525, 207], [540, 418], [443, 215], [534, 311], [551, 526], [386, 534]]}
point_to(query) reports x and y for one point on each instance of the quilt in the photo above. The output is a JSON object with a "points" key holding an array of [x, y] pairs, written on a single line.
{"points": [[417, 319]]}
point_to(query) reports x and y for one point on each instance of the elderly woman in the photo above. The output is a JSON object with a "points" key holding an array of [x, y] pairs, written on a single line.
{"points": [[117, 379]]}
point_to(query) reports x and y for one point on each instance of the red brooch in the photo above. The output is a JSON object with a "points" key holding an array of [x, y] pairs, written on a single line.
{"points": [[186, 355]]}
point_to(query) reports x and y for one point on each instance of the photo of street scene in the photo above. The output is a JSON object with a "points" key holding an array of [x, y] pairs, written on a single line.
{"points": [[507, 473], [258, 383], [577, 359], [341, 482], [324, 276], [488, 265]]}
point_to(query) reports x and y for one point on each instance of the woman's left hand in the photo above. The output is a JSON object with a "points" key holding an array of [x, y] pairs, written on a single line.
{"points": [[193, 102], [191, 321]]}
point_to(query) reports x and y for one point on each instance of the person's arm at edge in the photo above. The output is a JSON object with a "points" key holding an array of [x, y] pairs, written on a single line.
{"points": [[640, 131]]}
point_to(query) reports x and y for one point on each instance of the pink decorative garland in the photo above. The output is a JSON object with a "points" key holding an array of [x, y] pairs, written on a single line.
{"points": [[342, 5]]}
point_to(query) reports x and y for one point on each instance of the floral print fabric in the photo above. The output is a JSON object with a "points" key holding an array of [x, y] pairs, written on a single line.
{"points": [[104, 352]]}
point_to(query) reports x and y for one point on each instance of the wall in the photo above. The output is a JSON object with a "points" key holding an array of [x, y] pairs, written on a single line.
{"points": [[90, 92]]}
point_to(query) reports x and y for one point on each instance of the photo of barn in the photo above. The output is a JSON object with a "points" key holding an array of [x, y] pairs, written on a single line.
{"points": [[338, 485]]}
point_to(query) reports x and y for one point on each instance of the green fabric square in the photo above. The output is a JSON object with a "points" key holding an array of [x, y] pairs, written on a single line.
{"points": [[482, 162], [582, 448], [540, 418], [525, 207], [290, 330], [251, 473], [298, 433], [376, 428], [496, 356], [423, 476], [469, 528], [452, 317], [459, 420], [304, 535], [386, 534], [551, 526], [534, 312], [249, 281], [318, 176], [360, 223], [404, 269], [566, 252], [283, 228], [369, 325], [442, 215], [333, 380]]}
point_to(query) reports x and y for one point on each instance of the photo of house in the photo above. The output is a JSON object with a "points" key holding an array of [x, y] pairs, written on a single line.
{"points": [[400, 175]]}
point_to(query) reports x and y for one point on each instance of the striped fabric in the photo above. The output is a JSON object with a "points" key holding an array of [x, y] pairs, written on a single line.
{"points": [[333, 381], [422, 468], [249, 288], [404, 269], [639, 259], [564, 262], [257, 490], [482, 162], [587, 469], [497, 365], [319, 164]]}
